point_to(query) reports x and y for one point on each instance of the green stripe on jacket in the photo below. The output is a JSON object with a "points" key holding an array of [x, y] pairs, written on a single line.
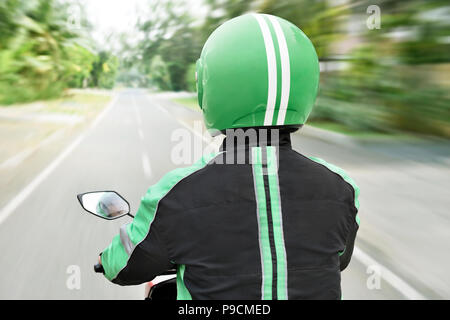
{"points": [[344, 176]]}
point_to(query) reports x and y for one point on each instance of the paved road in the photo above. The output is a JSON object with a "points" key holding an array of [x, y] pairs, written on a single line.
{"points": [[130, 148]]}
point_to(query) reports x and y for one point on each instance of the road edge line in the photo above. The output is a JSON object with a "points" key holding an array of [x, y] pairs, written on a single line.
{"points": [[15, 202], [395, 281]]}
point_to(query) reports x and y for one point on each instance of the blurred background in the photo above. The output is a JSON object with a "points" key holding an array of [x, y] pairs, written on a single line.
{"points": [[91, 93]]}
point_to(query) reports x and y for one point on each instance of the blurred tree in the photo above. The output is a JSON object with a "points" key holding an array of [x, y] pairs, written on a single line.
{"points": [[191, 82], [392, 79], [220, 11], [159, 75], [177, 37], [391, 84], [9, 13], [32, 50], [41, 52], [104, 69], [319, 20], [78, 65], [169, 35]]}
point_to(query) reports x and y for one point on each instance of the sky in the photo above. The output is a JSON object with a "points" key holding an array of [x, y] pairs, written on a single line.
{"points": [[118, 16], [112, 16]]}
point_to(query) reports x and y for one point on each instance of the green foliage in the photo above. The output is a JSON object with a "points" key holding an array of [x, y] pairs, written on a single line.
{"points": [[31, 51], [8, 20], [104, 69], [393, 84], [177, 38], [78, 65], [190, 78], [159, 75], [170, 45], [317, 19], [41, 53], [191, 103]]}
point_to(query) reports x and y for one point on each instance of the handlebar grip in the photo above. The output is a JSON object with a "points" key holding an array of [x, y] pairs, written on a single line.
{"points": [[98, 268]]}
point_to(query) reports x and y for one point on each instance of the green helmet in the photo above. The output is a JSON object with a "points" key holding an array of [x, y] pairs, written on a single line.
{"points": [[257, 70], [109, 205]]}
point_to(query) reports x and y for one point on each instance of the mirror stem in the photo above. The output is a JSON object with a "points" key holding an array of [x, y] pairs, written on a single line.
{"points": [[129, 214]]}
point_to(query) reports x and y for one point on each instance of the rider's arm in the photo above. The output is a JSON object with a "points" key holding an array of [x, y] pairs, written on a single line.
{"points": [[353, 190], [346, 256], [138, 253]]}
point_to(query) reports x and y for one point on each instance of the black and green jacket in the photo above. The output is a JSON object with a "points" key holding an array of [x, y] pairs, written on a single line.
{"points": [[281, 226]]}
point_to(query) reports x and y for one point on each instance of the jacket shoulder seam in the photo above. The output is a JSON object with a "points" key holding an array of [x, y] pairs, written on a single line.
{"points": [[342, 174]]}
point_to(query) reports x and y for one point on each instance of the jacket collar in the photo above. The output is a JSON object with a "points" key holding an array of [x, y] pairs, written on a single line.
{"points": [[251, 137]]}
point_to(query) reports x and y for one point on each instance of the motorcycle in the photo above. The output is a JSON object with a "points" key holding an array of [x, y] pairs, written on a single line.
{"points": [[110, 205]]}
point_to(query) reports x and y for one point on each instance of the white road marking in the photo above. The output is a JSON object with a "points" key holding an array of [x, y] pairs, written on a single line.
{"points": [[195, 132], [214, 141], [136, 111], [145, 158], [187, 126], [141, 134], [12, 205], [21, 156], [396, 282], [161, 108], [138, 118], [146, 165]]}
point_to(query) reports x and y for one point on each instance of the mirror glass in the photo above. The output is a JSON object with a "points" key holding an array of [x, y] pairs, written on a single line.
{"points": [[105, 204]]}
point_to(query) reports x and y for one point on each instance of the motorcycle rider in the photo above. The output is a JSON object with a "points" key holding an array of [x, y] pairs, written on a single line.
{"points": [[110, 206], [257, 220]]}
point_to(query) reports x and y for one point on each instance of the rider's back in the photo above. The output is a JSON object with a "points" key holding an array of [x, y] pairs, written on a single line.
{"points": [[250, 231]]}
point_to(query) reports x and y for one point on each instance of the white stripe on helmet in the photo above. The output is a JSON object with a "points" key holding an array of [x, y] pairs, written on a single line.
{"points": [[271, 69], [285, 69]]}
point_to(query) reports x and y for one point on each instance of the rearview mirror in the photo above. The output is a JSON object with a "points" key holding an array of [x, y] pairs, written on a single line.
{"points": [[104, 204]]}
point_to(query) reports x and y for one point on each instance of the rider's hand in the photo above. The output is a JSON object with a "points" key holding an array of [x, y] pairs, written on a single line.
{"points": [[98, 267]]}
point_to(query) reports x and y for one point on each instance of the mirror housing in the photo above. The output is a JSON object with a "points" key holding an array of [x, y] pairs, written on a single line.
{"points": [[108, 205]]}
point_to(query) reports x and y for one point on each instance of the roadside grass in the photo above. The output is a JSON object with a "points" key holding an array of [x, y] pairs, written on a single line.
{"points": [[81, 104], [191, 103], [25, 126], [333, 126], [77, 103], [340, 128], [326, 125], [368, 136]]}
